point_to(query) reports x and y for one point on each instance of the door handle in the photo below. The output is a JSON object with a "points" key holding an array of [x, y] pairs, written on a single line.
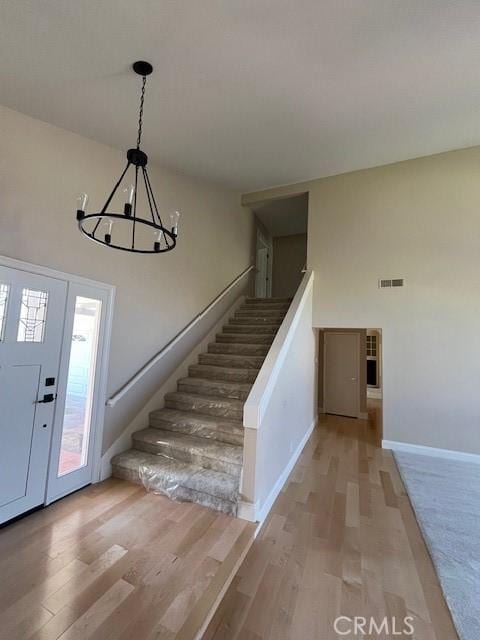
{"points": [[48, 397]]}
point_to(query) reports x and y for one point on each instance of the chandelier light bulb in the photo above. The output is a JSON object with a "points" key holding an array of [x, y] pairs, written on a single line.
{"points": [[174, 217], [108, 230], [128, 193], [158, 239], [82, 201]]}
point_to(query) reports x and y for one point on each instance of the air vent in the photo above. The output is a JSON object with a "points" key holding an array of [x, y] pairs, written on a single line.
{"points": [[391, 282]]}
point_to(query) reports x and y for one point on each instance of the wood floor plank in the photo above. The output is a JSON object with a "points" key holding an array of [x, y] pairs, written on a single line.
{"points": [[341, 539]]}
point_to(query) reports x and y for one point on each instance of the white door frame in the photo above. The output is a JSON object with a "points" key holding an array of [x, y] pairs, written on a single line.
{"points": [[103, 354]]}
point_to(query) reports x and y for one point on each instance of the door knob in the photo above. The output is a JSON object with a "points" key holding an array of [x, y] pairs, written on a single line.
{"points": [[48, 397]]}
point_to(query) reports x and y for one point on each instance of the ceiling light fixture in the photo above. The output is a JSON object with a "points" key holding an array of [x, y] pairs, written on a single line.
{"points": [[127, 231]]}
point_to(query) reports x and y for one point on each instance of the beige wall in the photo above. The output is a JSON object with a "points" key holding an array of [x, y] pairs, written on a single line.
{"points": [[44, 168], [289, 257], [419, 220]]}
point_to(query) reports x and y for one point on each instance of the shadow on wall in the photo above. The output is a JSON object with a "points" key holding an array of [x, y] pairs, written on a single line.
{"points": [[289, 260]]}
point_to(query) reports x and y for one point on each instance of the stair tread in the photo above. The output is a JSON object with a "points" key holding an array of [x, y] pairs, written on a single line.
{"points": [[258, 329], [254, 362], [206, 447], [214, 422], [202, 382], [250, 300], [198, 397], [174, 472]]}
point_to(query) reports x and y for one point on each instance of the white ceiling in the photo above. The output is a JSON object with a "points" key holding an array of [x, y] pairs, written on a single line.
{"points": [[251, 93], [284, 217]]}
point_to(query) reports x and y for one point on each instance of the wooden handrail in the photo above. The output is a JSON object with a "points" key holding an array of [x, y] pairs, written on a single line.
{"points": [[111, 402]]}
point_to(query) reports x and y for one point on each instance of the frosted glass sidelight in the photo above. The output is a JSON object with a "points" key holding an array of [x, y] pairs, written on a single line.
{"points": [[33, 316], [4, 290]]}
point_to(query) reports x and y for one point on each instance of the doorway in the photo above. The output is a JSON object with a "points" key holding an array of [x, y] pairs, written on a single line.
{"points": [[342, 372], [54, 336], [263, 288], [281, 256]]}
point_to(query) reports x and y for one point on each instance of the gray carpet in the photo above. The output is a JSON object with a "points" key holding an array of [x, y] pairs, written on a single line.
{"points": [[445, 495]]}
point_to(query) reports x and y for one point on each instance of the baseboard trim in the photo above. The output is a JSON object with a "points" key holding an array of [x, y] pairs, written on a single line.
{"points": [[247, 510], [422, 450], [363, 415], [263, 510]]}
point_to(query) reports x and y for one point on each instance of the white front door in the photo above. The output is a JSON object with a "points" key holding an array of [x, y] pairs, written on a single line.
{"points": [[32, 310]]}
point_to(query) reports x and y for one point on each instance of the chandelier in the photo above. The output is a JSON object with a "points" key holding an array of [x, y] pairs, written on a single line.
{"points": [[128, 231]]}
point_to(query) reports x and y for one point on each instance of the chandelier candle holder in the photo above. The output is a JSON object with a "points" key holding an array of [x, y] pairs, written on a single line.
{"points": [[146, 234]]}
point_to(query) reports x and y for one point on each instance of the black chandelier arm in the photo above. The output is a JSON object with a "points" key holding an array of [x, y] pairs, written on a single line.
{"points": [[150, 205], [155, 204], [134, 207], [115, 188]]}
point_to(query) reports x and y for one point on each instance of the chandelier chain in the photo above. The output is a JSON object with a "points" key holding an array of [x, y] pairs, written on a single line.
{"points": [[140, 115]]}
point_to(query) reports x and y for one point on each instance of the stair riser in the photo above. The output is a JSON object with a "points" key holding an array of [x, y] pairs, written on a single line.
{"points": [[182, 493], [249, 338], [268, 301], [214, 390], [231, 361], [239, 349], [267, 307], [205, 408], [217, 373], [255, 320], [262, 313], [256, 329], [188, 456], [200, 431]]}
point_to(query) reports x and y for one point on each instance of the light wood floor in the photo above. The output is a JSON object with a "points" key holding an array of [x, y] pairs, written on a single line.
{"points": [[113, 562], [341, 540]]}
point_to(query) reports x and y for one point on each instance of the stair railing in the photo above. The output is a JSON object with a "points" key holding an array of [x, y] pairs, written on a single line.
{"points": [[111, 402]]}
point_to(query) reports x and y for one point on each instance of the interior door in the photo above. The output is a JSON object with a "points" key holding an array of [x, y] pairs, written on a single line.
{"points": [[77, 415], [32, 309], [342, 373], [261, 288]]}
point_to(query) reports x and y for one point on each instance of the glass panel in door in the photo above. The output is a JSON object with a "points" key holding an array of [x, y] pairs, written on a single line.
{"points": [[80, 386]]}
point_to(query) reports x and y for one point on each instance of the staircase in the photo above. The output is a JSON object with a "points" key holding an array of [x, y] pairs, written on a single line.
{"points": [[193, 448]]}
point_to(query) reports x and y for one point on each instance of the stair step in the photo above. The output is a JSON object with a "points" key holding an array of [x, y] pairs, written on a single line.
{"points": [[239, 349], [256, 320], [231, 360], [209, 405], [220, 388], [208, 454], [179, 480], [263, 313], [249, 338], [268, 300], [282, 306], [215, 428], [222, 373], [246, 328]]}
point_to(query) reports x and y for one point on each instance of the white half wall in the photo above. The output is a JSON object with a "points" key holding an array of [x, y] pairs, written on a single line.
{"points": [[281, 410]]}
